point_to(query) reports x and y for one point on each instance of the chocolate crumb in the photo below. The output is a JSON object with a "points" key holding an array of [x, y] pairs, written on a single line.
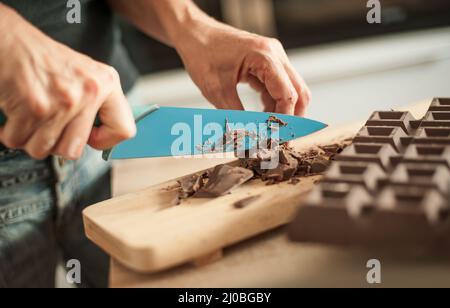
{"points": [[245, 202]]}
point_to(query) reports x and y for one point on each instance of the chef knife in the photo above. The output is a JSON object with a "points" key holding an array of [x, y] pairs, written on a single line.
{"points": [[173, 131]]}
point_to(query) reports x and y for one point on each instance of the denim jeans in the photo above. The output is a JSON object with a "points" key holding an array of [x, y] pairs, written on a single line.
{"points": [[40, 218]]}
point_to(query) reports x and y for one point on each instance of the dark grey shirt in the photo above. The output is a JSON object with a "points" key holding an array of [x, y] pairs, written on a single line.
{"points": [[97, 35]]}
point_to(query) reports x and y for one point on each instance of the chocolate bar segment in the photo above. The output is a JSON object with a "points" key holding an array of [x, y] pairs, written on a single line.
{"points": [[421, 175], [440, 104], [432, 135], [369, 153], [391, 187], [380, 134], [436, 119], [392, 118], [363, 174], [432, 154]]}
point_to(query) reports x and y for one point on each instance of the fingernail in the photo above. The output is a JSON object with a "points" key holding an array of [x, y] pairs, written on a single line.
{"points": [[74, 148]]}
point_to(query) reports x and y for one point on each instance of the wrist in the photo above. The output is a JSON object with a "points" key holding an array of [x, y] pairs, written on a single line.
{"points": [[185, 23], [8, 21], [198, 35]]}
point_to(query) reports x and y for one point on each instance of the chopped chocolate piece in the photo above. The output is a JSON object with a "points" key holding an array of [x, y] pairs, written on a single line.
{"points": [[304, 170], [319, 165], [222, 180], [264, 154], [280, 174], [292, 165], [274, 119], [245, 202], [287, 159], [191, 184]]}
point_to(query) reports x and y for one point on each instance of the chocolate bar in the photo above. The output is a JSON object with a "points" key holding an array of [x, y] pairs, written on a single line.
{"points": [[391, 187]]}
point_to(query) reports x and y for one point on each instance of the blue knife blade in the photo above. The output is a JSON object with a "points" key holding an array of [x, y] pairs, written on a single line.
{"points": [[160, 130]]}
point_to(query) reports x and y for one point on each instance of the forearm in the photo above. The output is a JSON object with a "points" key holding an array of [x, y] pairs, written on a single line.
{"points": [[165, 20]]}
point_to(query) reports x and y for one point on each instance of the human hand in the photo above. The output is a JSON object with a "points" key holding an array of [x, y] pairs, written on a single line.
{"points": [[52, 94], [218, 57]]}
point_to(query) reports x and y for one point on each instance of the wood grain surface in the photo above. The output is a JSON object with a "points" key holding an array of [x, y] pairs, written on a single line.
{"points": [[121, 226]]}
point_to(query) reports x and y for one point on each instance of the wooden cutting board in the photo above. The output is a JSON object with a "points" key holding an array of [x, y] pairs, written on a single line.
{"points": [[146, 234]]}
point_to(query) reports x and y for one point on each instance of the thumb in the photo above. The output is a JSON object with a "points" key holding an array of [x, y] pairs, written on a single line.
{"points": [[117, 123]]}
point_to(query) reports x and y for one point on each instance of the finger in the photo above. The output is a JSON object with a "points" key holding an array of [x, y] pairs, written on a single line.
{"points": [[17, 130], [255, 84], [277, 82], [117, 122], [42, 142], [304, 94], [230, 98], [76, 135], [268, 102]]}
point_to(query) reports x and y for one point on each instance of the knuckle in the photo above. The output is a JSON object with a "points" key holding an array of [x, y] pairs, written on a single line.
{"points": [[308, 96], [294, 97], [263, 44], [69, 99], [267, 44], [275, 43], [111, 73], [290, 100], [39, 109], [127, 132], [263, 65], [91, 88]]}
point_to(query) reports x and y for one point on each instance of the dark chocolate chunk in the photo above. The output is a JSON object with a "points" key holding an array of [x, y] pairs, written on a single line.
{"points": [[191, 184], [274, 119], [222, 180], [293, 163], [319, 165]]}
